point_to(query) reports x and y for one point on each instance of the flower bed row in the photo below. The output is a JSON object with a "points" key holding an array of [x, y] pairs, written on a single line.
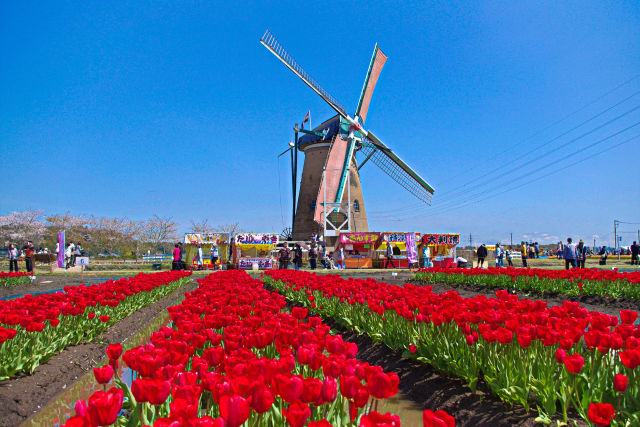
{"points": [[34, 328], [13, 278], [562, 357], [570, 282], [233, 357]]}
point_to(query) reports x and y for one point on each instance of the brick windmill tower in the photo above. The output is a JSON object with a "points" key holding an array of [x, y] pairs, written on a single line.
{"points": [[331, 198]]}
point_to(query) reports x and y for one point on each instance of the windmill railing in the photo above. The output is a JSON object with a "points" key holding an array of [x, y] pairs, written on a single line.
{"points": [[270, 41]]}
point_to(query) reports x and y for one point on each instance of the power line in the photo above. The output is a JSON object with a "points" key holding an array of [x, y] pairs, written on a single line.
{"points": [[455, 200], [461, 190], [534, 180]]}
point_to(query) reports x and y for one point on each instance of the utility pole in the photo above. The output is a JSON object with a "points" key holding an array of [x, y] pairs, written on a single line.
{"points": [[615, 236], [511, 239], [470, 241]]}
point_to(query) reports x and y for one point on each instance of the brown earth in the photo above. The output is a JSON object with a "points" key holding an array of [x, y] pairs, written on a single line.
{"points": [[23, 395]]}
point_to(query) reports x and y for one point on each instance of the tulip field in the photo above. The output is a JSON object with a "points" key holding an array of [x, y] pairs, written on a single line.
{"points": [[14, 278], [235, 355], [560, 360], [569, 282], [34, 328]]}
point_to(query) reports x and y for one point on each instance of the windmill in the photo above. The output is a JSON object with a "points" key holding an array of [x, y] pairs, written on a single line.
{"points": [[330, 177]]}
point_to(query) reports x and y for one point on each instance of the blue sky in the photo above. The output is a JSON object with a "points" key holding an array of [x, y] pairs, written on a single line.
{"points": [[174, 108]]}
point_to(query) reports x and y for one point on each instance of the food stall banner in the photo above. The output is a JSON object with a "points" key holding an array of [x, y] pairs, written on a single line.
{"points": [[359, 238], [256, 239], [412, 251], [441, 239], [398, 237], [247, 263], [208, 238]]}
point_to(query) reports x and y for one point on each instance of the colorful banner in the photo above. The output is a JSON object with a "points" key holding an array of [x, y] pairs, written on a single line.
{"points": [[398, 237], [197, 238], [359, 238], [247, 263], [441, 239], [412, 251], [256, 239], [61, 249]]}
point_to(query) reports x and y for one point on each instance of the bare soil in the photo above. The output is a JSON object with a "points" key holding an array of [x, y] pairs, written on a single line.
{"points": [[23, 395]]}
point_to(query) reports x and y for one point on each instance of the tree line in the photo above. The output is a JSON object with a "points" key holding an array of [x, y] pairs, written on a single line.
{"points": [[98, 234]]}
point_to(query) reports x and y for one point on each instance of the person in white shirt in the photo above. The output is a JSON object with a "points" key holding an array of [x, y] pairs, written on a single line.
{"points": [[67, 255], [200, 259], [214, 255]]}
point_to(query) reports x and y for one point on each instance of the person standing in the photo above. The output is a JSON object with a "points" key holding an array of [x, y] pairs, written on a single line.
{"points": [[323, 256], [389, 256], [509, 257], [499, 256], [426, 256], [314, 237], [175, 265], [635, 250], [297, 256], [581, 253], [283, 257], [313, 255], [72, 254], [536, 247], [523, 253], [13, 257], [214, 255], [29, 250], [603, 255], [200, 258], [481, 253], [570, 254]]}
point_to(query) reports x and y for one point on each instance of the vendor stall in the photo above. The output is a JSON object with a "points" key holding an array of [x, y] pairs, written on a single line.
{"points": [[404, 248], [191, 242], [358, 249], [442, 248], [255, 248]]}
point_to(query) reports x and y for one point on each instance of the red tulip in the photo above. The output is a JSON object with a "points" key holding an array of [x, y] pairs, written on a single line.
{"points": [[329, 389], [620, 383], [573, 363], [104, 319], [601, 414], [628, 317], [383, 386], [208, 421], [437, 419], [114, 351], [412, 348], [262, 399], [321, 423], [374, 419], [77, 421], [560, 354], [104, 407], [234, 409], [91, 315], [297, 414], [299, 312], [290, 388], [103, 375], [150, 390]]}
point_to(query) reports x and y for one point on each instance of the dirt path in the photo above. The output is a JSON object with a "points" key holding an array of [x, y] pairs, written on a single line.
{"points": [[23, 395]]}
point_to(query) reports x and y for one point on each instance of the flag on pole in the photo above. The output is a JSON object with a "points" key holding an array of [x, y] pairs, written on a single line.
{"points": [[306, 118]]}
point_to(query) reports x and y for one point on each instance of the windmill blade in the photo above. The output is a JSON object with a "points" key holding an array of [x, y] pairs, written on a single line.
{"points": [[271, 43], [375, 68], [396, 168]]}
